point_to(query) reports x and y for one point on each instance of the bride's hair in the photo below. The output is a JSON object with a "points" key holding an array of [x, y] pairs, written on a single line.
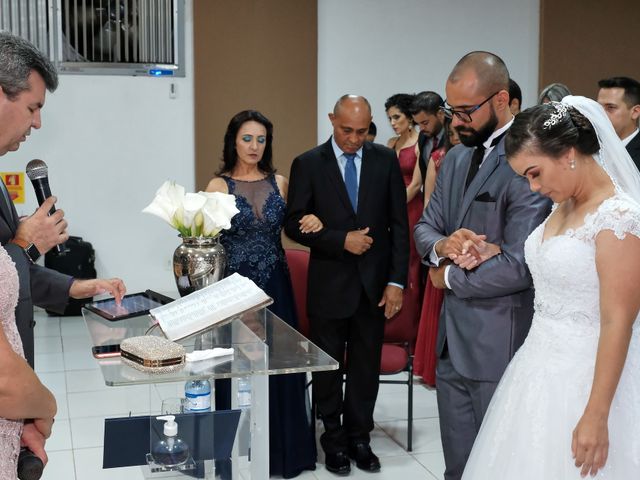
{"points": [[551, 129]]}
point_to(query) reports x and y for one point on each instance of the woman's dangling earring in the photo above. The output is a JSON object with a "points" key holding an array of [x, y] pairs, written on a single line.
{"points": [[572, 164]]}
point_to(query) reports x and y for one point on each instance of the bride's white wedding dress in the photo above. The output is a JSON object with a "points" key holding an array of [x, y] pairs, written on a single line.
{"points": [[527, 431]]}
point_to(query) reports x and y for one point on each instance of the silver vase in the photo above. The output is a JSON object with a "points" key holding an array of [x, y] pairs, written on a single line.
{"points": [[198, 262]]}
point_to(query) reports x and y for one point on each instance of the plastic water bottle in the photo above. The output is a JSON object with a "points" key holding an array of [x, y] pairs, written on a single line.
{"points": [[244, 392], [198, 396]]}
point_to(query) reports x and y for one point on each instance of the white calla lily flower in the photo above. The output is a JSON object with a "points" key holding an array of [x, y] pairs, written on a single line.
{"points": [[166, 202], [193, 214]]}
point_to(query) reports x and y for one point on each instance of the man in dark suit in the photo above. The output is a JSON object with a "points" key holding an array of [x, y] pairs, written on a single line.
{"points": [[487, 311], [620, 97], [357, 271], [426, 113], [25, 75]]}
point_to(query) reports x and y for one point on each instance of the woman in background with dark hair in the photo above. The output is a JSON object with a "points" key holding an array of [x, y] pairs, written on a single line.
{"points": [[405, 144], [254, 249]]}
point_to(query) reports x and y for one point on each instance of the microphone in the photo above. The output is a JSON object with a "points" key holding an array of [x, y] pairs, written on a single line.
{"points": [[30, 466], [38, 173]]}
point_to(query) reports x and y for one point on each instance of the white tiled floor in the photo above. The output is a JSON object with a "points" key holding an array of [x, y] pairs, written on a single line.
{"points": [[65, 365]]}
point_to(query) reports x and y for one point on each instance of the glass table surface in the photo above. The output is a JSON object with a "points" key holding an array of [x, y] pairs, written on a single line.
{"points": [[263, 345]]}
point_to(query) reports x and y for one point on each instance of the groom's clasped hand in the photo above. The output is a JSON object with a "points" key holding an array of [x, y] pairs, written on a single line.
{"points": [[466, 248]]}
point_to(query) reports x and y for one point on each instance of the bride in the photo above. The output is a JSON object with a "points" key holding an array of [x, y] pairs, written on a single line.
{"points": [[568, 405]]}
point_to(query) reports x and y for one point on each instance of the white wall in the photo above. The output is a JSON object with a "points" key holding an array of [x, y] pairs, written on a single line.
{"points": [[109, 143], [377, 48]]}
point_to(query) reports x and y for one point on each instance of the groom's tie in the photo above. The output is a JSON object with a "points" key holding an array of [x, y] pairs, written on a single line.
{"points": [[476, 160], [351, 179]]}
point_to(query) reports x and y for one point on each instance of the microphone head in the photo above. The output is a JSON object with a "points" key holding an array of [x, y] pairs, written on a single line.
{"points": [[37, 169]]}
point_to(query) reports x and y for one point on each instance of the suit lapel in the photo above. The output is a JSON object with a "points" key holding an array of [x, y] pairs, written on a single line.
{"points": [[487, 168], [634, 144], [6, 209], [633, 147], [366, 174], [333, 172]]}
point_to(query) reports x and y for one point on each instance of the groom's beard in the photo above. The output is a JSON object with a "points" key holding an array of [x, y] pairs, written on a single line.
{"points": [[470, 137]]}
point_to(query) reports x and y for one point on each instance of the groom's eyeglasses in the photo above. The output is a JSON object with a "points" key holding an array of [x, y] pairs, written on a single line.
{"points": [[463, 114]]}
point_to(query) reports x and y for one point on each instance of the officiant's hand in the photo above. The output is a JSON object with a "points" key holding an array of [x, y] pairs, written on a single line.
{"points": [[43, 230], [453, 244], [436, 274], [34, 439], [89, 288], [590, 444], [475, 253]]}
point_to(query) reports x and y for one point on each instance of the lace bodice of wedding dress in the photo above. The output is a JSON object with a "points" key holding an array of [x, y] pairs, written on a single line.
{"points": [[526, 433], [564, 272], [10, 430]]}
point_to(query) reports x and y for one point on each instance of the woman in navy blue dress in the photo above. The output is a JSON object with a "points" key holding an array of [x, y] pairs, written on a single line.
{"points": [[254, 249]]}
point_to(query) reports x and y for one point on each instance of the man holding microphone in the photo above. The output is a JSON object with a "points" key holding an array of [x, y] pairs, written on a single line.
{"points": [[25, 75]]}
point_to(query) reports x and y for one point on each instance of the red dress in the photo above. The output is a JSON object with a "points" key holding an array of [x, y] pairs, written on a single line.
{"points": [[412, 295], [424, 361]]}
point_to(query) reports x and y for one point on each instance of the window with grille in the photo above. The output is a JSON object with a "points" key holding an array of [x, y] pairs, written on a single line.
{"points": [[128, 37]]}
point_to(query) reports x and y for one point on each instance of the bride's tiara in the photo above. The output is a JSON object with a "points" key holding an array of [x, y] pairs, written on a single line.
{"points": [[560, 112]]}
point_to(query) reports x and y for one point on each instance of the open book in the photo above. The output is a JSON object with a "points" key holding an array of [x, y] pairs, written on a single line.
{"points": [[205, 308]]}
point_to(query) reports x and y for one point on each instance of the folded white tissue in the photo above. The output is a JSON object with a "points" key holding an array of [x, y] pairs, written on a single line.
{"points": [[199, 355]]}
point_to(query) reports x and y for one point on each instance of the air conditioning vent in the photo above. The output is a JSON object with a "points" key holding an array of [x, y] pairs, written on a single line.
{"points": [[107, 37]]}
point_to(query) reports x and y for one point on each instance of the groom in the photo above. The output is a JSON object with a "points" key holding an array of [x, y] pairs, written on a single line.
{"points": [[487, 311]]}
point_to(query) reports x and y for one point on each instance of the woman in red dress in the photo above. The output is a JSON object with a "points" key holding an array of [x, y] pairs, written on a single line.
{"points": [[398, 108], [424, 362]]}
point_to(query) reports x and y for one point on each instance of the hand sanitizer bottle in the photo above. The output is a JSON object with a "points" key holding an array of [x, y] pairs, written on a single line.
{"points": [[170, 451]]}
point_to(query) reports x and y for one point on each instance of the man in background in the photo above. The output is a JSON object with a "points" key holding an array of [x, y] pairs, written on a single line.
{"points": [[373, 132], [620, 97], [426, 113], [515, 97]]}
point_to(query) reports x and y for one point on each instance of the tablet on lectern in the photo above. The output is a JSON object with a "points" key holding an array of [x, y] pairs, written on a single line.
{"points": [[132, 305]]}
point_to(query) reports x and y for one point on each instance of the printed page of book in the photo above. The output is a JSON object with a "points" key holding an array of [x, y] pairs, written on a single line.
{"points": [[205, 308]]}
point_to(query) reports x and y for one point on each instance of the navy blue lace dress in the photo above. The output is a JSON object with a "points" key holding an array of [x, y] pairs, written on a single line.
{"points": [[254, 249]]}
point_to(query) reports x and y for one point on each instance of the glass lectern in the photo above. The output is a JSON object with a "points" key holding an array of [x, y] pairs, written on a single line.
{"points": [[263, 345]]}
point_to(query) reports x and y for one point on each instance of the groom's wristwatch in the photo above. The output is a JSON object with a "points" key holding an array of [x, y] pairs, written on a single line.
{"points": [[30, 249]]}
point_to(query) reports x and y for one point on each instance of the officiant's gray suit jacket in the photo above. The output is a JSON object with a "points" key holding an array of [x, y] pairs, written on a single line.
{"points": [[38, 285], [487, 313]]}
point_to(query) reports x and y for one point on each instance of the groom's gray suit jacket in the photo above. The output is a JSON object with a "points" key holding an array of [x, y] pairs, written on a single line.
{"points": [[487, 313]]}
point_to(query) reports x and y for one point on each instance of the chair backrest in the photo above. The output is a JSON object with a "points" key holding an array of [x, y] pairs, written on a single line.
{"points": [[298, 261]]}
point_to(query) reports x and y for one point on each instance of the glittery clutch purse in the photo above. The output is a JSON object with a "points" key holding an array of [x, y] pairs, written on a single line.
{"points": [[152, 354]]}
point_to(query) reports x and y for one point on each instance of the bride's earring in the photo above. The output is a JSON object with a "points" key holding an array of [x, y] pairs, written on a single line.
{"points": [[572, 164]]}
